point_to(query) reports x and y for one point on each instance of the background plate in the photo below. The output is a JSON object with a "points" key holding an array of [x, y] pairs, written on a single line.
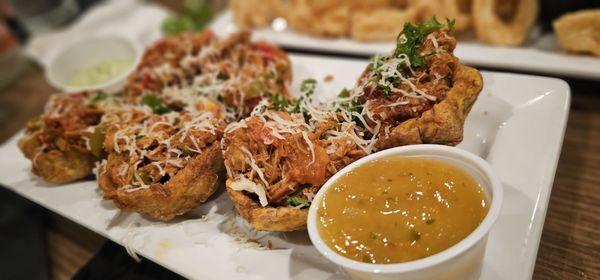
{"points": [[542, 55], [517, 125]]}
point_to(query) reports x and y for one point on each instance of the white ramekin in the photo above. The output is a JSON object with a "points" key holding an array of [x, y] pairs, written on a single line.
{"points": [[461, 261], [86, 52]]}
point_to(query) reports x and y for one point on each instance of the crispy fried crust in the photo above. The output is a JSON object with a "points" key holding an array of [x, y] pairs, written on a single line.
{"points": [[58, 167], [267, 218], [55, 142], [55, 166], [30, 143], [442, 124], [192, 185]]}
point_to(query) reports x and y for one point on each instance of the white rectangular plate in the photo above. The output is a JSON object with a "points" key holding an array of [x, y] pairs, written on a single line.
{"points": [[517, 124], [541, 56]]}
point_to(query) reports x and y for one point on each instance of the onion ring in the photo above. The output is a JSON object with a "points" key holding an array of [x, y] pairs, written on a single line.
{"points": [[504, 22], [579, 31], [460, 10], [368, 26], [254, 13], [330, 18]]}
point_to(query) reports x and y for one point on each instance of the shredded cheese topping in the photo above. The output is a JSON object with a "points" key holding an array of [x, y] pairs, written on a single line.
{"points": [[243, 184]]}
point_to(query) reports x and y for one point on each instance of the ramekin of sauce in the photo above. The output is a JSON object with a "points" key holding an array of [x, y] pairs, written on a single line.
{"points": [[100, 62], [412, 212]]}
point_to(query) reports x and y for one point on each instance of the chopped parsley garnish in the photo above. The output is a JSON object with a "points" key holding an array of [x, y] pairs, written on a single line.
{"points": [[296, 108], [374, 235], [307, 89], [450, 24], [410, 40], [279, 102], [308, 86], [414, 236], [296, 201], [176, 25], [407, 55], [344, 93], [195, 14], [156, 104], [353, 105], [99, 97], [387, 91]]}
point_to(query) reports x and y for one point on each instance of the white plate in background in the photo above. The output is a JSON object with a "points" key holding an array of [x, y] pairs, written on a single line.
{"points": [[517, 125], [541, 56]]}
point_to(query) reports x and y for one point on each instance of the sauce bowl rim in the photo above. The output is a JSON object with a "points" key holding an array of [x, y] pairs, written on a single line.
{"points": [[52, 62], [425, 151]]}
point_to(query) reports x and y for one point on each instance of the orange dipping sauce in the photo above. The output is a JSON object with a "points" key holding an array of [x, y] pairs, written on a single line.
{"points": [[400, 209]]}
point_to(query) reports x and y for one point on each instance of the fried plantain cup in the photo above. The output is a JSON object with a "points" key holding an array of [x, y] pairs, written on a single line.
{"points": [[282, 218], [57, 141], [442, 124], [276, 163], [53, 165], [189, 187]]}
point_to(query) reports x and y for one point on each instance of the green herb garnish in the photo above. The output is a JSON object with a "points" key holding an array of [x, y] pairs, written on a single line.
{"points": [[414, 236], [99, 97], [176, 25], [195, 15], [296, 201], [374, 235], [279, 102], [156, 104], [307, 89], [450, 25], [345, 93], [353, 105], [410, 40], [308, 86]]}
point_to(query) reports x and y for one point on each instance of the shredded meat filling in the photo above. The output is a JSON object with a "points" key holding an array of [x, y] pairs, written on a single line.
{"points": [[236, 70], [435, 80], [66, 121], [289, 165]]}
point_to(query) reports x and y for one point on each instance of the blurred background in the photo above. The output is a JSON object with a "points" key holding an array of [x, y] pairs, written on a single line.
{"points": [[37, 244]]}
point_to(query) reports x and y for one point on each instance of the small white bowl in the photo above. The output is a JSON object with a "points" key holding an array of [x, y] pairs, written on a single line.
{"points": [[86, 52], [461, 261]]}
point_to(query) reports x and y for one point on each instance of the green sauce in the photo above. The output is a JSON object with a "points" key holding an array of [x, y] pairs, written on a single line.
{"points": [[100, 72]]}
